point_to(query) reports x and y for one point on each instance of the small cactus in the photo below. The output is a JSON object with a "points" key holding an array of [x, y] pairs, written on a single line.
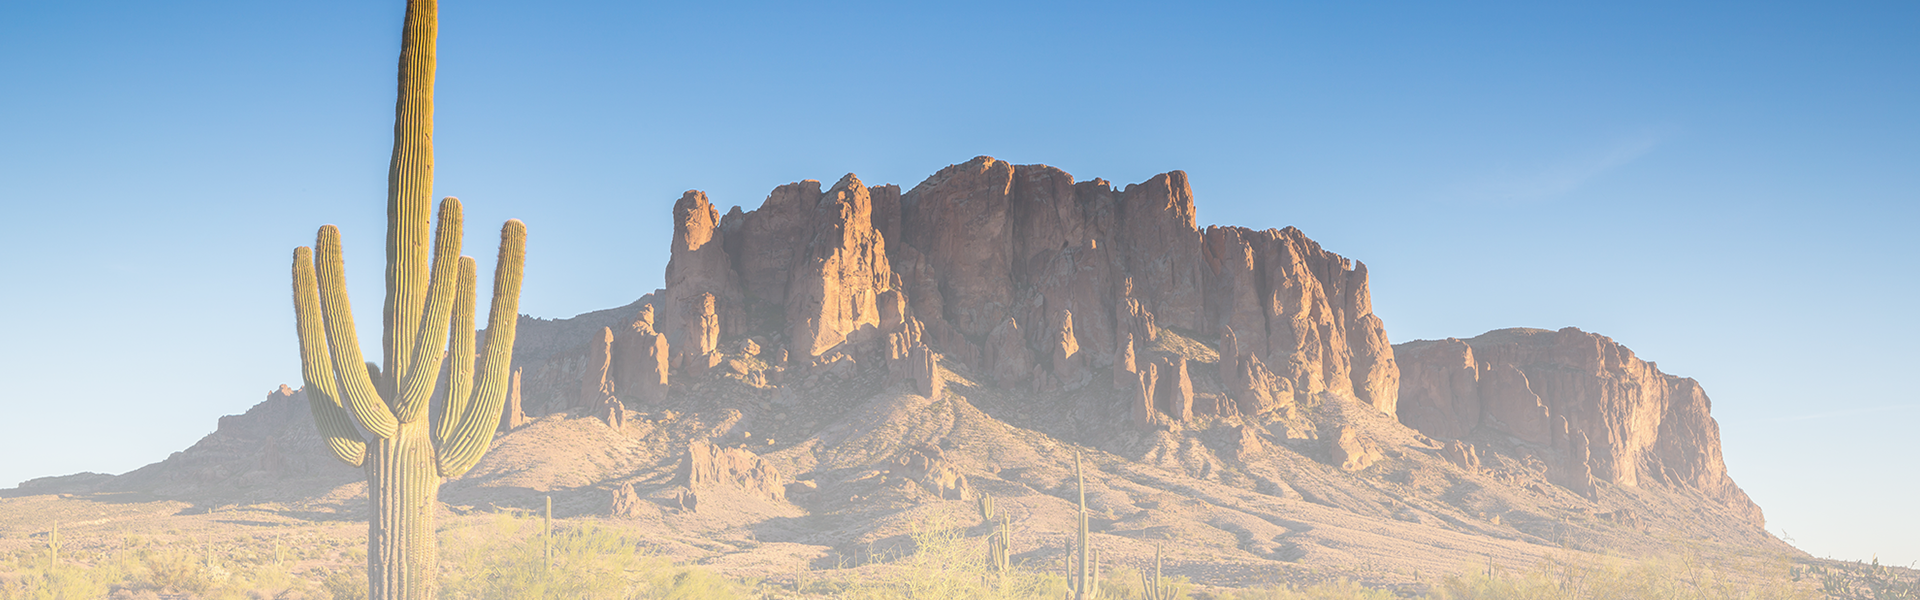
{"points": [[53, 547], [1155, 587], [986, 507], [1000, 546]]}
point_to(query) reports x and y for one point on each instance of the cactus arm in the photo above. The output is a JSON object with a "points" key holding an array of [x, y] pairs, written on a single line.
{"points": [[316, 366], [363, 400], [409, 191], [459, 386], [416, 388], [482, 415]]}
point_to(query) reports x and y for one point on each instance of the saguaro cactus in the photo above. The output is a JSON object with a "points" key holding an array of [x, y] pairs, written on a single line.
{"points": [[1155, 587], [428, 319], [999, 547], [1083, 579]]}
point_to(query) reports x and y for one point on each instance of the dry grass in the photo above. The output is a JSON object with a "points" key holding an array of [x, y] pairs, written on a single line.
{"points": [[506, 557]]}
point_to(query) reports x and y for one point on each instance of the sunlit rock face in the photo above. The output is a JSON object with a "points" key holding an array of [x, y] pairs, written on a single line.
{"points": [[1602, 412], [1029, 276]]}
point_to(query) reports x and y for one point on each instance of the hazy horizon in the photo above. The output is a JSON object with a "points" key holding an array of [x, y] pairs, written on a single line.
{"points": [[1728, 191]]}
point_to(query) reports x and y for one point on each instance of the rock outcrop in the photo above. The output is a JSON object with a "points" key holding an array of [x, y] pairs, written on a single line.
{"points": [[638, 360], [713, 469], [1352, 451], [596, 384], [1030, 278], [1306, 311], [703, 291], [626, 502], [513, 416], [1175, 396], [1461, 454], [928, 466], [1605, 415]]}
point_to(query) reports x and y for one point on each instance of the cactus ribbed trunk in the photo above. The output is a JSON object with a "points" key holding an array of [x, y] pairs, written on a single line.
{"points": [[410, 187], [428, 320], [403, 484]]}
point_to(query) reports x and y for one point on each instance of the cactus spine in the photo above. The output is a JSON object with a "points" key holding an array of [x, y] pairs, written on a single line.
{"points": [[429, 308], [1083, 578]]}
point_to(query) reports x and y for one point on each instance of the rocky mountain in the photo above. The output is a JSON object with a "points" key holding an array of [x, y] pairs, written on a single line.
{"points": [[824, 373], [1600, 412]]}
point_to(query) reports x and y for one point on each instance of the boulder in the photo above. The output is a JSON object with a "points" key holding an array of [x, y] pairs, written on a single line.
{"points": [[1352, 451], [626, 502], [1461, 454]]}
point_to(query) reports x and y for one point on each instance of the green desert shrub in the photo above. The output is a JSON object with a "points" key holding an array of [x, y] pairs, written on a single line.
{"points": [[1687, 576], [512, 562], [945, 563], [1341, 590]]}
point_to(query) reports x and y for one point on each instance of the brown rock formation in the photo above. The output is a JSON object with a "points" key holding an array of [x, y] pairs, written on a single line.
{"points": [[1461, 454], [909, 359], [597, 384], [1352, 451], [927, 466], [626, 502], [842, 273], [513, 417], [1575, 469], [1247, 381], [702, 326], [989, 256], [730, 470], [639, 359], [1140, 397], [1070, 367], [1175, 395], [1247, 443], [958, 220], [1306, 310], [1126, 373], [1160, 245], [1135, 320], [1008, 358], [1566, 390], [612, 411], [703, 293]]}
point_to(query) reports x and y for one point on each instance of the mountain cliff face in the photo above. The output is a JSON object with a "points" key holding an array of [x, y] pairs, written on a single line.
{"points": [[1020, 272], [1602, 413]]}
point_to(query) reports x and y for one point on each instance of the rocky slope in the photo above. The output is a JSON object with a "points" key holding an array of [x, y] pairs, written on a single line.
{"points": [[828, 371]]}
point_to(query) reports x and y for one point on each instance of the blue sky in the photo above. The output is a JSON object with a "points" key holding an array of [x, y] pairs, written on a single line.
{"points": [[1727, 188]]}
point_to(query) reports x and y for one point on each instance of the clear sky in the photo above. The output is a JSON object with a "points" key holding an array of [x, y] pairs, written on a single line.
{"points": [[1730, 189]]}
